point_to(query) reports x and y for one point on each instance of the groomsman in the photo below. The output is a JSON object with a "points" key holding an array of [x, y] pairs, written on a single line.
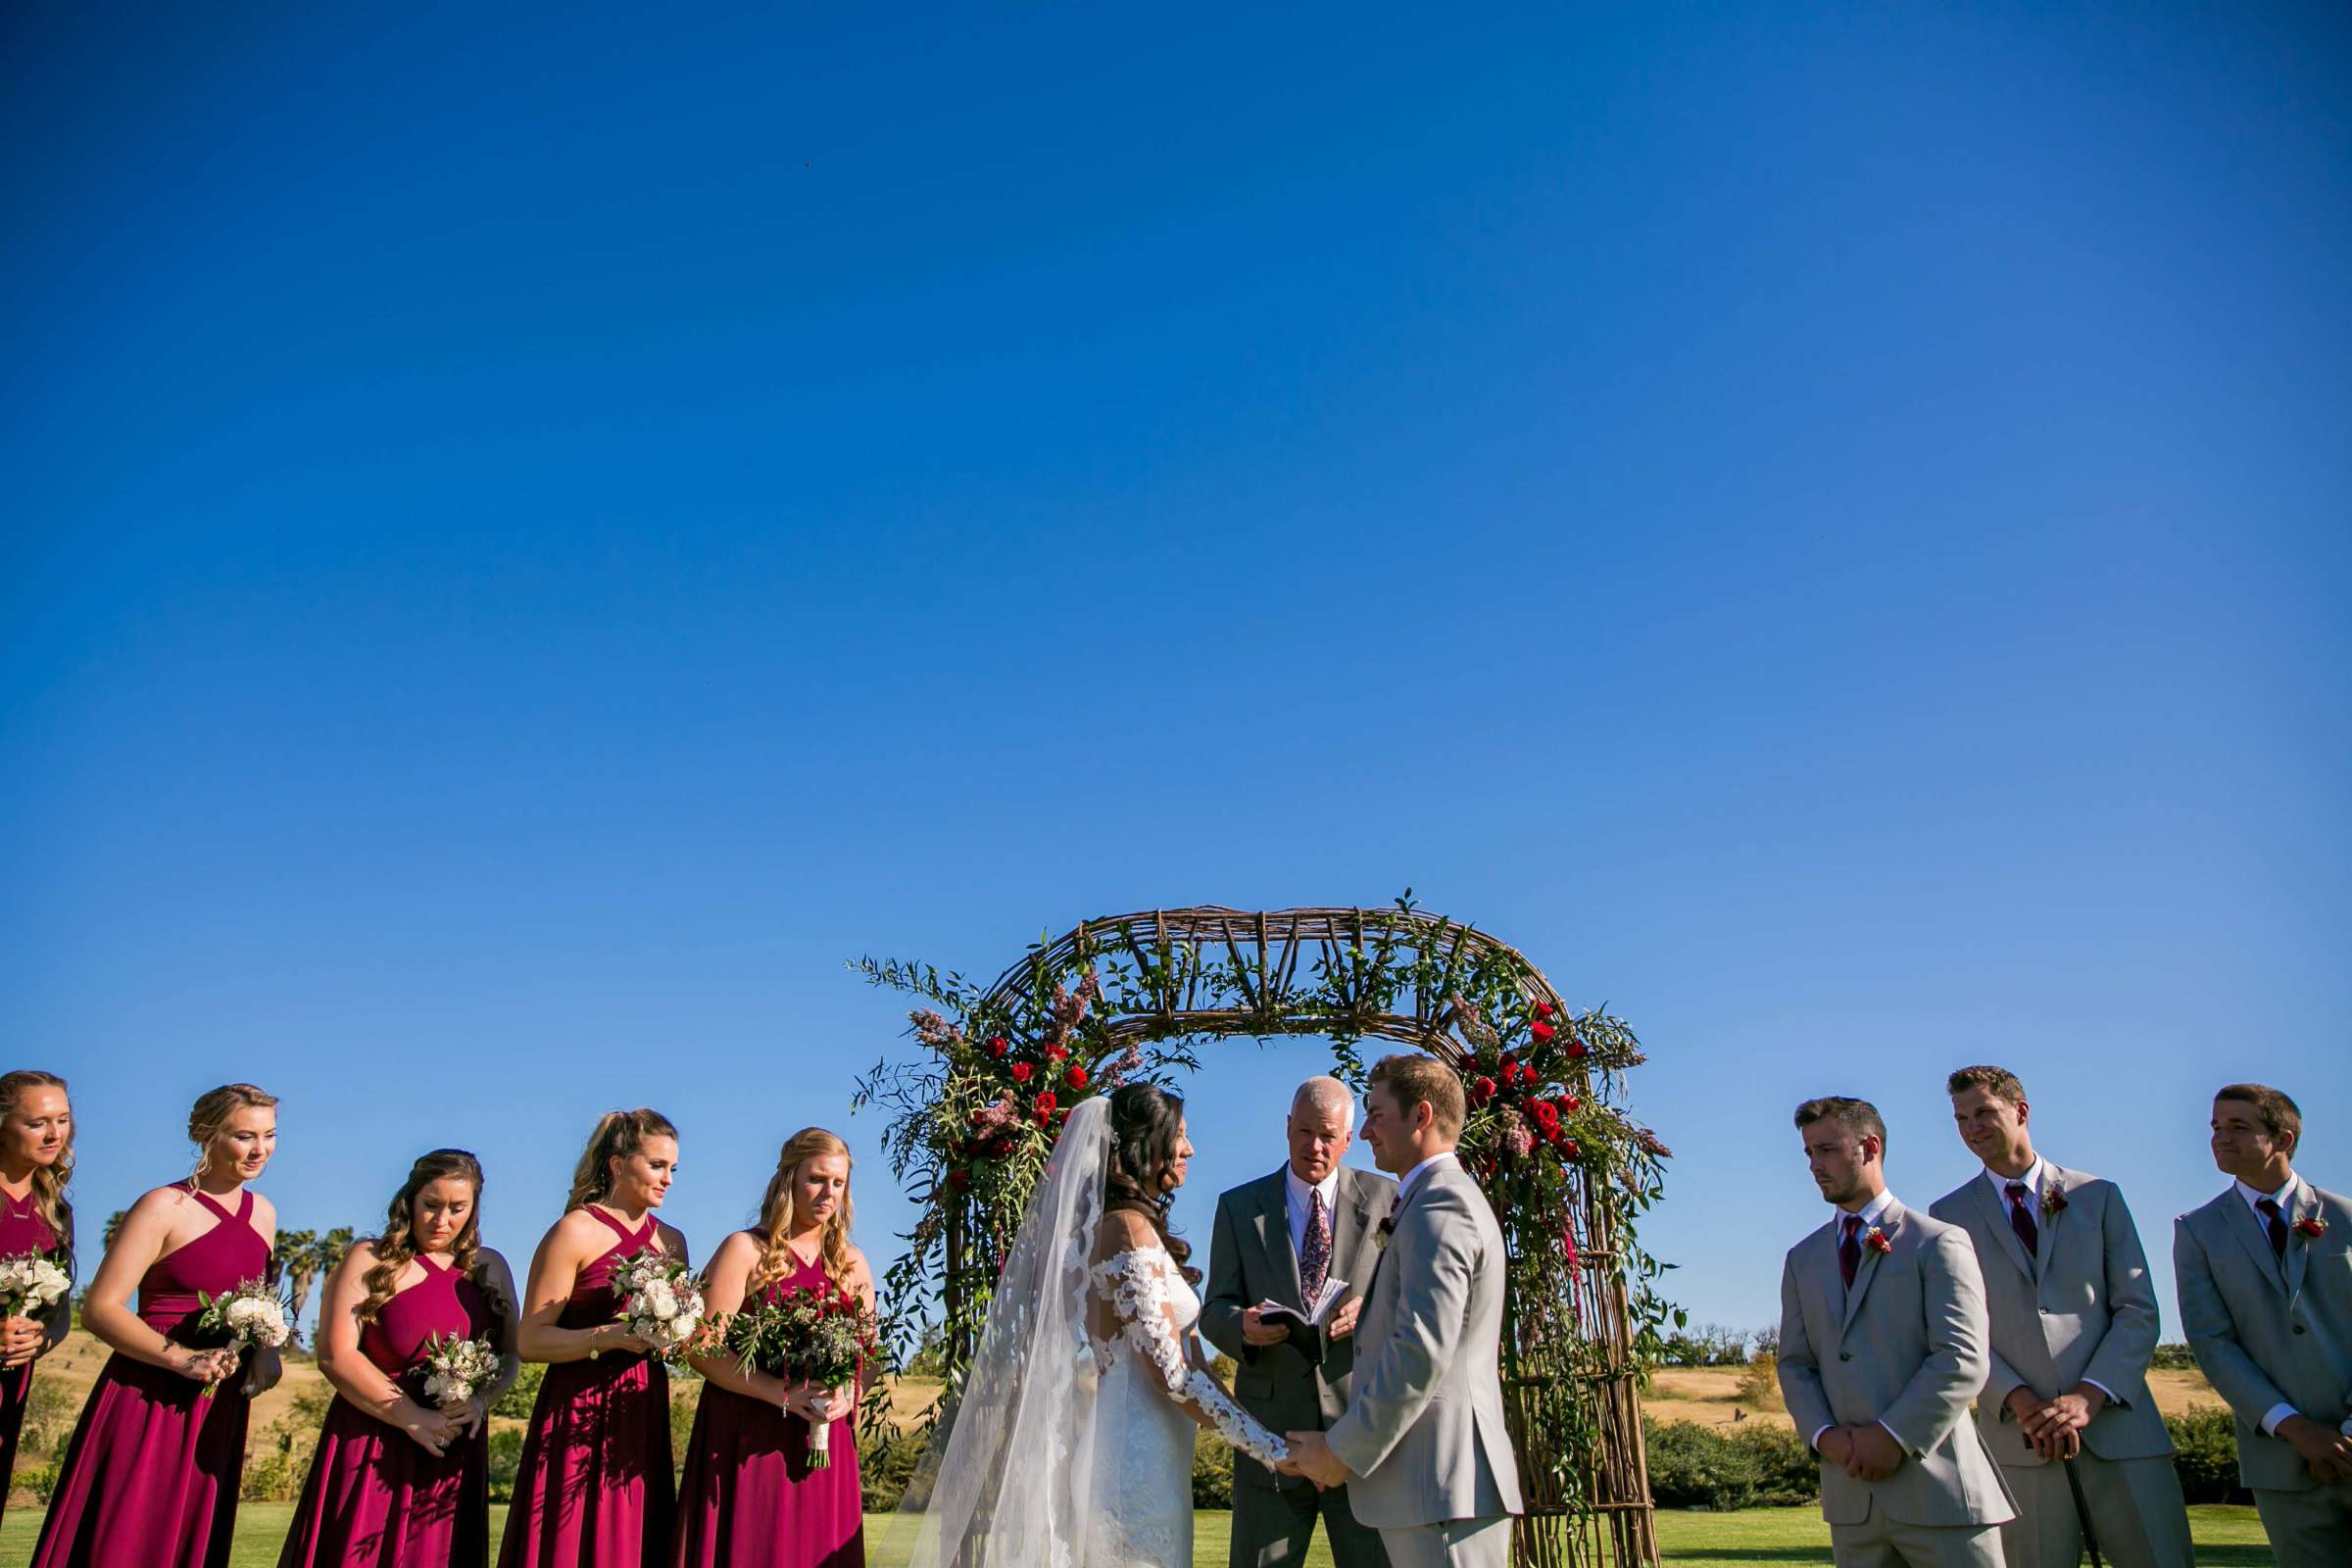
{"points": [[2073, 1326], [1883, 1344], [2264, 1279], [1280, 1239]]}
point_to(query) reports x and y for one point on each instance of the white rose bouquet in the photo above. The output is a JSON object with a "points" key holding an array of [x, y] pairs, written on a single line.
{"points": [[455, 1370], [30, 1283], [661, 1303], [240, 1320]]}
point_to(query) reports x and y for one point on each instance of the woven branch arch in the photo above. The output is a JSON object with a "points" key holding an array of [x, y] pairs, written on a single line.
{"points": [[1566, 1169]]}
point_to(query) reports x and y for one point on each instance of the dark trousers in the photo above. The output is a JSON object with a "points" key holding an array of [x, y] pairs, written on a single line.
{"points": [[1272, 1526]]}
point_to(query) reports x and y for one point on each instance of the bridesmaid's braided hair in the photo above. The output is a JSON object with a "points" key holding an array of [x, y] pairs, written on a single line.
{"points": [[393, 1248], [49, 1182], [775, 1215], [208, 1116], [619, 1135], [1146, 1122]]}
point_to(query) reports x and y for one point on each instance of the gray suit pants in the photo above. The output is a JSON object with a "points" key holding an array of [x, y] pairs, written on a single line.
{"points": [[1879, 1542], [1455, 1544], [1272, 1527], [2136, 1509], [2308, 1529]]}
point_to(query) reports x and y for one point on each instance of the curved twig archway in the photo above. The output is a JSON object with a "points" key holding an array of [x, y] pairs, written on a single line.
{"points": [[1126, 997]]}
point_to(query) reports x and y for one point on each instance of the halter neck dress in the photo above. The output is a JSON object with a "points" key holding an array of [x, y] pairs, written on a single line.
{"points": [[21, 1231]]}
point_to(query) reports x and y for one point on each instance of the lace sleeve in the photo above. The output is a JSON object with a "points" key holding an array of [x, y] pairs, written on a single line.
{"points": [[1136, 1283]]}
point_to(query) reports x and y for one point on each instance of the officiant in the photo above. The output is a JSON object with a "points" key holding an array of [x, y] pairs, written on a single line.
{"points": [[1282, 1242]]}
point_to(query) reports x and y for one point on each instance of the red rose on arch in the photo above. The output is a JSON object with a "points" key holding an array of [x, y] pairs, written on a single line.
{"points": [[1022, 1071], [1045, 1103], [1541, 1031], [1077, 1077], [960, 1180], [997, 1047], [1483, 1087], [1543, 1009], [1569, 1149], [1056, 1052], [1575, 1049], [1568, 1104], [1546, 1114]]}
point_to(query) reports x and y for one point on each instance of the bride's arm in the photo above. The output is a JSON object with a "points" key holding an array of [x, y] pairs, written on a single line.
{"points": [[1138, 1281]]}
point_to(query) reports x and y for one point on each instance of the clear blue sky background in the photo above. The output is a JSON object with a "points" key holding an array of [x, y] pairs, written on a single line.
{"points": [[530, 539]]}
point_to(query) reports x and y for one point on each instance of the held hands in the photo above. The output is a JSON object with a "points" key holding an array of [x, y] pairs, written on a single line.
{"points": [[434, 1430], [470, 1415], [1312, 1458], [816, 1405], [21, 1341], [1866, 1452], [1259, 1332], [2324, 1451], [200, 1366], [2054, 1427]]}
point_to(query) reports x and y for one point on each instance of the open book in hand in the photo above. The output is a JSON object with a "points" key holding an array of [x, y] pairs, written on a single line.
{"points": [[1316, 1310]]}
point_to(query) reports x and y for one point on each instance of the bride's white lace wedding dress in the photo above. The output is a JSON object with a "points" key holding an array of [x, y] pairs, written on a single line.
{"points": [[1142, 1495], [1072, 1445]]}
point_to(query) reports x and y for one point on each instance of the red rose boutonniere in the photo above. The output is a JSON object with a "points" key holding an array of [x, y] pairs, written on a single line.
{"points": [[2311, 1226], [2054, 1201], [1876, 1240]]}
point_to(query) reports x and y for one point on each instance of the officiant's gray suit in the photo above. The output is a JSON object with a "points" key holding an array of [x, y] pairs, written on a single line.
{"points": [[1424, 1430], [1288, 1388], [2079, 1308], [2270, 1332], [1905, 1347]]}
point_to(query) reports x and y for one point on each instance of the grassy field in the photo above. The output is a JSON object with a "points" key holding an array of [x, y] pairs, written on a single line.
{"points": [[2226, 1538]]}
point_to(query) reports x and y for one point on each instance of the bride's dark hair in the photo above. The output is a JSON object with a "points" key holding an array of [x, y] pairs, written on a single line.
{"points": [[1146, 1122]]}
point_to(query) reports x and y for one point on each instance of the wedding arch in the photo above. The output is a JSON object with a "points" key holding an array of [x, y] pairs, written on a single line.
{"points": [[1129, 997]]}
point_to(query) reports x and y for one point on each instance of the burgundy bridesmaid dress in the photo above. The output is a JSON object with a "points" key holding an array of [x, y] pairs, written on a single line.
{"points": [[594, 1488], [21, 1231], [749, 1499], [151, 1475], [375, 1499]]}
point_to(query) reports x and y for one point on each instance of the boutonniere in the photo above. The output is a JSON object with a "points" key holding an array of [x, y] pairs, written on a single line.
{"points": [[2310, 1226], [1381, 1232], [1876, 1240], [2053, 1201]]}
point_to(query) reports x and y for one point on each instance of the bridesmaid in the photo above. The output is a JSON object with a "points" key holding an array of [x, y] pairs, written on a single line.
{"points": [[151, 1475], [36, 1162], [749, 1499], [399, 1481], [594, 1488]]}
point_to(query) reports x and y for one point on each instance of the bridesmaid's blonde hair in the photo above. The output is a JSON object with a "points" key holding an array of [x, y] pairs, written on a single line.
{"points": [[619, 1135], [49, 1182], [776, 1212], [208, 1116]]}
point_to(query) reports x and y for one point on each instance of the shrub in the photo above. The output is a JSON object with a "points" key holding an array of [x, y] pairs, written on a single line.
{"points": [[1757, 1465], [505, 1458], [2173, 1359], [39, 1479], [1213, 1472], [518, 1399], [885, 1468], [2205, 1453], [49, 1415], [1760, 1382]]}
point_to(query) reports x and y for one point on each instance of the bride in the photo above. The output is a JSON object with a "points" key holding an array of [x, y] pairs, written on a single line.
{"points": [[1073, 1446]]}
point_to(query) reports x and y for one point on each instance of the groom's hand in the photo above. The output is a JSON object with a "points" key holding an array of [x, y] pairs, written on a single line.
{"points": [[1312, 1458]]}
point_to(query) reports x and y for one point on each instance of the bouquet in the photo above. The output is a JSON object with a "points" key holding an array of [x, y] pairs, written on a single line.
{"points": [[812, 1335], [455, 1370], [661, 1303], [242, 1318], [31, 1283]]}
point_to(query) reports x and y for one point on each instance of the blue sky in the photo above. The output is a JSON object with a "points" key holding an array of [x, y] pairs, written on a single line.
{"points": [[531, 540]]}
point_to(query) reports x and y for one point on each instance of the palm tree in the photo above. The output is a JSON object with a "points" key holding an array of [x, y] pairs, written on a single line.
{"points": [[113, 1223], [298, 1265]]}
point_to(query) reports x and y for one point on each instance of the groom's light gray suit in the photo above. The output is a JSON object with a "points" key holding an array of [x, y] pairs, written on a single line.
{"points": [[1424, 1430], [1904, 1347], [2080, 1308], [2268, 1333], [1288, 1388]]}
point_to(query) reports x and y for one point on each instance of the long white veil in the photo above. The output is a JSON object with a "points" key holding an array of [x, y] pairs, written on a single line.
{"points": [[1010, 1480]]}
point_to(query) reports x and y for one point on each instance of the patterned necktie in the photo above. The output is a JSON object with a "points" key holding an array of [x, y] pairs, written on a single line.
{"points": [[1849, 1249], [2275, 1223], [1314, 1255], [2020, 1219]]}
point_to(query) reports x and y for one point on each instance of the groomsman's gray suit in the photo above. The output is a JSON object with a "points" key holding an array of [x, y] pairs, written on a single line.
{"points": [[2268, 1332], [2080, 1308], [1424, 1428], [1288, 1388], [1904, 1347]]}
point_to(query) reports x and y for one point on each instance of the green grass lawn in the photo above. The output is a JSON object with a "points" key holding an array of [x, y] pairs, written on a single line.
{"points": [[2226, 1538]]}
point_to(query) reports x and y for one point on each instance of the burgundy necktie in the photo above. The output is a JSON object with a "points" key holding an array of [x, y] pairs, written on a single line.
{"points": [[2020, 1219], [1314, 1255], [2275, 1223], [1849, 1249]]}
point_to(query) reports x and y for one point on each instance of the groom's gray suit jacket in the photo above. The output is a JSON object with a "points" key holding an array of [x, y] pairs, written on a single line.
{"points": [[1424, 1430], [1250, 1261], [2082, 1307], [2269, 1332], [1906, 1348]]}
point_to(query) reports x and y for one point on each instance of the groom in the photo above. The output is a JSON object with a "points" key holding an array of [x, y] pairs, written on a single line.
{"points": [[1280, 1237], [1423, 1450]]}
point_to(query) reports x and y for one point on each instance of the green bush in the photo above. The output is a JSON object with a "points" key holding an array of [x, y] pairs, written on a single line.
{"points": [[1754, 1465], [2172, 1358], [885, 1468], [516, 1401], [505, 1458], [1213, 1472], [39, 1479], [2205, 1453], [49, 1416]]}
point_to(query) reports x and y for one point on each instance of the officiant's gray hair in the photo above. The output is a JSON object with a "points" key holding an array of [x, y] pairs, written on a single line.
{"points": [[1326, 1094]]}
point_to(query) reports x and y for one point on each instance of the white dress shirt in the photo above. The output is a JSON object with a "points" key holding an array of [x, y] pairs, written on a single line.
{"points": [[2284, 1197], [1301, 1205], [1404, 1187]]}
